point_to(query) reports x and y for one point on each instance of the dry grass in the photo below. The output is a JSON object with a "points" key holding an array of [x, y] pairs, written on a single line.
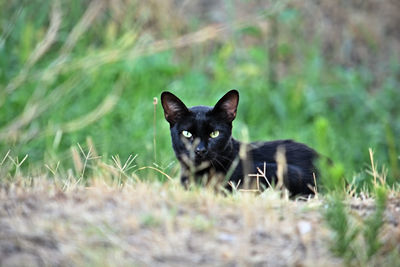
{"points": [[164, 225], [104, 214]]}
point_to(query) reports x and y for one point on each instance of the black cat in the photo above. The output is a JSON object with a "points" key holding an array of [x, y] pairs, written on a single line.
{"points": [[203, 143]]}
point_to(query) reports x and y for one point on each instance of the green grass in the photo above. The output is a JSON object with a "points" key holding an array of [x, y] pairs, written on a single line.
{"points": [[99, 80]]}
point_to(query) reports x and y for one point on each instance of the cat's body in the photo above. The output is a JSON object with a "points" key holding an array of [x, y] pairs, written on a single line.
{"points": [[203, 144]]}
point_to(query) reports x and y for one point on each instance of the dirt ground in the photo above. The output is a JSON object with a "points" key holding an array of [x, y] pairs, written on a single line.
{"points": [[163, 225]]}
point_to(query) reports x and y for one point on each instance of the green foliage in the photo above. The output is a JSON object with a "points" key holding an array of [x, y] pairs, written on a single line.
{"points": [[344, 232], [374, 223], [349, 236]]}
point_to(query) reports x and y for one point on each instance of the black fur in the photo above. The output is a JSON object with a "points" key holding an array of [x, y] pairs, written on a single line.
{"points": [[207, 156]]}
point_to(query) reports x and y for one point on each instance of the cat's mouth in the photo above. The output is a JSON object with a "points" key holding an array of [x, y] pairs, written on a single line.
{"points": [[198, 160]]}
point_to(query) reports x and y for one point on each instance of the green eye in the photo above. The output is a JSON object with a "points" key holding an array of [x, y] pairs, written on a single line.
{"points": [[186, 134], [214, 134]]}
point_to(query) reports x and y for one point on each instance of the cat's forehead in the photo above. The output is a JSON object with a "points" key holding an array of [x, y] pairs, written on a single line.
{"points": [[198, 120], [200, 112]]}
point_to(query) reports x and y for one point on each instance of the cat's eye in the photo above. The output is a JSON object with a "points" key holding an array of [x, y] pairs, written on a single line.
{"points": [[187, 134], [214, 134]]}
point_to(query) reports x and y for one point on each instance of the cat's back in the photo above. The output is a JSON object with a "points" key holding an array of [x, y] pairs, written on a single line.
{"points": [[296, 153]]}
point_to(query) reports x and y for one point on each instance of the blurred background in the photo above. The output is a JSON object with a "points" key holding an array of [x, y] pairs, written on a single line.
{"points": [[325, 73]]}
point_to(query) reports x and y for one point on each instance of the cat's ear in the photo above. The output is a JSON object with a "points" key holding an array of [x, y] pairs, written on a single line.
{"points": [[174, 109], [228, 105]]}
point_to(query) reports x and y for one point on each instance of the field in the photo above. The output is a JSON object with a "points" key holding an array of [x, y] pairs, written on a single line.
{"points": [[148, 224], [87, 172]]}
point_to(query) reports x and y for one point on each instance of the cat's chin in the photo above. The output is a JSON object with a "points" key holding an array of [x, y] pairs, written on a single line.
{"points": [[202, 163]]}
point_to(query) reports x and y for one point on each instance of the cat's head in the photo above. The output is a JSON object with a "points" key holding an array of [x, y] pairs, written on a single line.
{"points": [[200, 133]]}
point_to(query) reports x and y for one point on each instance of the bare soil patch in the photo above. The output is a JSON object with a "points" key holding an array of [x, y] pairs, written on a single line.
{"points": [[163, 225]]}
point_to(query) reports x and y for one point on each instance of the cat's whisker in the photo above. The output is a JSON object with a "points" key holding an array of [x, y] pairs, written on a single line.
{"points": [[220, 164], [215, 156]]}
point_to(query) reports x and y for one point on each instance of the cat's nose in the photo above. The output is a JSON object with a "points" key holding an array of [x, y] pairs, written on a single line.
{"points": [[200, 150]]}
